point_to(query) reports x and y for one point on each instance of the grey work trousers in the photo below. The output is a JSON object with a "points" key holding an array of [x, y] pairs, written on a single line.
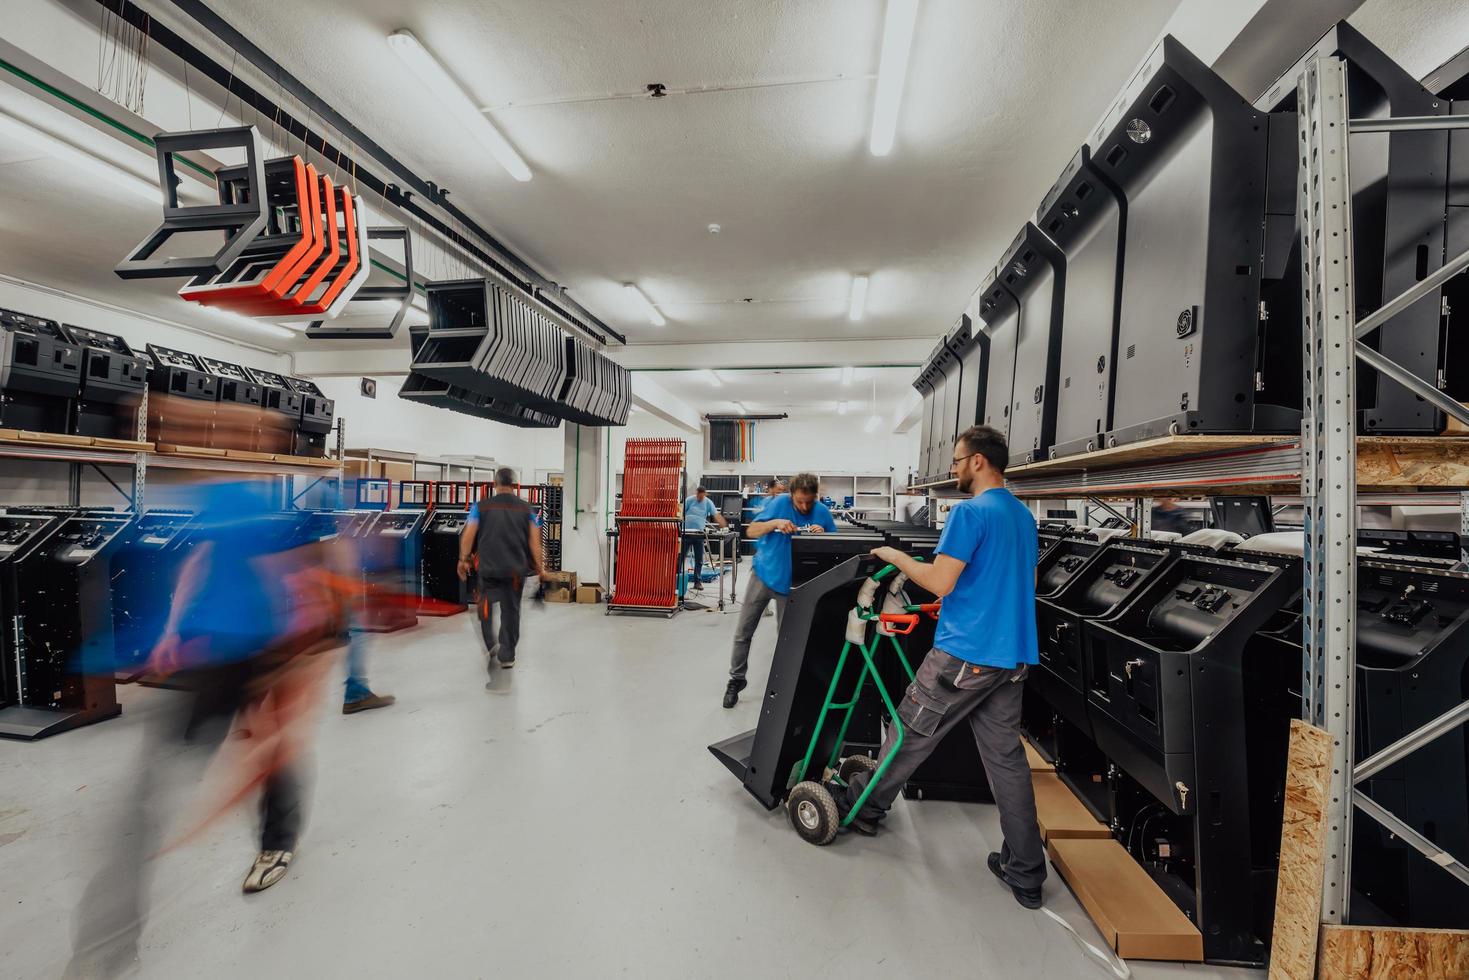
{"points": [[757, 597], [945, 692]]}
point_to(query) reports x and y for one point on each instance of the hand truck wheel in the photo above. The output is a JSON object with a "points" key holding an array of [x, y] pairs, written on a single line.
{"points": [[853, 764], [813, 812]]}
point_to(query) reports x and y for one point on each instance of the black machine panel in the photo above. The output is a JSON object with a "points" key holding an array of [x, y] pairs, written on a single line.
{"points": [[181, 375], [60, 653], [923, 384], [1190, 699], [1398, 200], [1413, 666], [392, 553], [1083, 213], [814, 554], [40, 373], [937, 427], [242, 426], [971, 345], [441, 562], [316, 418], [145, 569], [236, 386], [1000, 312], [1034, 272], [282, 405], [112, 384], [947, 385], [1189, 157]]}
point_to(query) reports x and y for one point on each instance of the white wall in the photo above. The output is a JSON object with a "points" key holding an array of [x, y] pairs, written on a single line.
{"points": [[389, 422]]}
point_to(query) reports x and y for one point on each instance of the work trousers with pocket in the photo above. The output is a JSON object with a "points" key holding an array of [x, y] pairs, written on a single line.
{"points": [[946, 692], [499, 598], [758, 595]]}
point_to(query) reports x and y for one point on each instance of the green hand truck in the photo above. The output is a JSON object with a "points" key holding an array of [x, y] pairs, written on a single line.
{"points": [[812, 808]]}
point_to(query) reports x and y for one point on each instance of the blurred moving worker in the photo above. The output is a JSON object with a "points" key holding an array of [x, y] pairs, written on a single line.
{"points": [[502, 532], [697, 510], [782, 516], [254, 601], [984, 570], [357, 695]]}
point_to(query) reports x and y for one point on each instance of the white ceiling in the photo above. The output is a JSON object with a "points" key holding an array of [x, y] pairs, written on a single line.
{"points": [[998, 97], [811, 391]]}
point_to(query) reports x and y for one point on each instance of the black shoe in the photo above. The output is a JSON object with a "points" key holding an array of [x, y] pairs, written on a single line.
{"points": [[1028, 897], [732, 691], [507, 662], [864, 823]]}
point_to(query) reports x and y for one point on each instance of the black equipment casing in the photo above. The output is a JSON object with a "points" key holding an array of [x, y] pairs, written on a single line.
{"points": [[440, 548], [1034, 272], [240, 429], [316, 418], [40, 373], [113, 380], [145, 569], [180, 374], [282, 405], [1398, 188], [1000, 312], [1189, 157], [392, 560], [1086, 215], [971, 347]]}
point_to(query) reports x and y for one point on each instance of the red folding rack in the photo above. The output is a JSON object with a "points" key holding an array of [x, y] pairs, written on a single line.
{"points": [[649, 522]]}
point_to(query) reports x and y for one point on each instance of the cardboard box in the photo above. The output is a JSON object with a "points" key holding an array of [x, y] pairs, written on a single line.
{"points": [[567, 579], [1060, 813], [559, 593], [591, 592], [1134, 916], [1037, 763]]}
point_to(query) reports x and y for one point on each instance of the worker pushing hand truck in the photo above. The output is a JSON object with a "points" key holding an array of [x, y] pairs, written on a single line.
{"points": [[811, 803]]}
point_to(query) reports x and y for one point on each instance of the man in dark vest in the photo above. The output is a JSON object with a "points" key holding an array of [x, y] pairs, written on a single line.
{"points": [[502, 530]]}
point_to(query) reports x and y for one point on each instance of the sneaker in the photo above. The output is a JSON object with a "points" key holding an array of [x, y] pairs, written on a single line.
{"points": [[269, 868], [698, 586], [1028, 897], [368, 703], [865, 823], [732, 691], [507, 662]]}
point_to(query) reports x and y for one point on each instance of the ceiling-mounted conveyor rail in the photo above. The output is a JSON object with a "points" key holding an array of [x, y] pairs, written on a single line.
{"points": [[404, 191]]}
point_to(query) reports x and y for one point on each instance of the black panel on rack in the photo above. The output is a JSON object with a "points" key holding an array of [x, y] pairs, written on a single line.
{"points": [[1034, 272], [178, 374], [436, 394], [1001, 315], [40, 373], [277, 395], [113, 379], [1189, 155], [971, 345], [937, 382], [316, 417], [923, 384], [1397, 225], [946, 402], [1083, 215]]}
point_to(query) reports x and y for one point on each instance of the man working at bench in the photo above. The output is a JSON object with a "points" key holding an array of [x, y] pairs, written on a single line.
{"points": [[782, 516], [697, 510], [984, 570]]}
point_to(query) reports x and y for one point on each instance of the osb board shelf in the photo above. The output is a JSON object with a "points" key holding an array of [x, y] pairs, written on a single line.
{"points": [[64, 441], [1133, 914], [208, 453], [1170, 449], [1370, 952]]}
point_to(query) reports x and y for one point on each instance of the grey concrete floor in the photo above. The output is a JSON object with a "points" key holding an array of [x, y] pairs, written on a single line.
{"points": [[562, 820]]}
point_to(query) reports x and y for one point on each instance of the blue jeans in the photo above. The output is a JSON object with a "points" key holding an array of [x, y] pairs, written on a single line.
{"points": [[357, 688]]}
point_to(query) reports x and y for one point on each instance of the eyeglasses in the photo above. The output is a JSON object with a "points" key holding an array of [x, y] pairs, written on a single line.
{"points": [[962, 459]]}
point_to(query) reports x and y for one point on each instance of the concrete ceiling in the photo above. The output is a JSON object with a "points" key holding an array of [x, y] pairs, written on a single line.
{"points": [[810, 391], [771, 142]]}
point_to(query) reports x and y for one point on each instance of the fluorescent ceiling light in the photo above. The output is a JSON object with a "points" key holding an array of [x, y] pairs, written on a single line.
{"points": [[453, 97], [97, 167], [848, 373], [897, 39], [274, 329], [649, 310], [841, 408], [859, 298], [873, 421], [713, 378]]}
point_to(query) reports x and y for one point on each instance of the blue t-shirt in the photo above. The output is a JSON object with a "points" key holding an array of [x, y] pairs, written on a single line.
{"points": [[696, 513], [535, 515], [773, 551], [989, 618]]}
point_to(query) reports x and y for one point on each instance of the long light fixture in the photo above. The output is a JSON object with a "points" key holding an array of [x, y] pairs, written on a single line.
{"points": [[873, 421], [59, 149], [649, 310], [274, 329], [841, 408], [848, 373], [859, 298], [897, 39], [438, 81]]}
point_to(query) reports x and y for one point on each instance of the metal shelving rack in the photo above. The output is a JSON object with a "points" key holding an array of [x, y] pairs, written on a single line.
{"points": [[1329, 468]]}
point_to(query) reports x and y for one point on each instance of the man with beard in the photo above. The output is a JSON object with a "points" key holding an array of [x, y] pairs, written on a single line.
{"points": [[984, 570]]}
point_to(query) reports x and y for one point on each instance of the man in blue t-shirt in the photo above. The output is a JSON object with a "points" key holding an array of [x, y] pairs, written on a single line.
{"points": [[984, 570], [797, 512], [697, 512]]}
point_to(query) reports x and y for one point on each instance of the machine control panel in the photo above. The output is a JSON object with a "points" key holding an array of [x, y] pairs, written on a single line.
{"points": [[224, 369], [81, 538], [161, 529], [97, 340], [17, 531], [395, 525], [168, 357]]}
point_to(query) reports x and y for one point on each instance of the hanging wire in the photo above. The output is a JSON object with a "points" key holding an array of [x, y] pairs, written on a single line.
{"points": [[229, 90]]}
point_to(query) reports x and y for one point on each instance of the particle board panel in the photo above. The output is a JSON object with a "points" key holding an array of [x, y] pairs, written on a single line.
{"points": [[1393, 463], [201, 452], [1161, 449], [1133, 914], [53, 438], [1384, 953], [248, 454], [1059, 813], [126, 445], [1302, 854]]}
